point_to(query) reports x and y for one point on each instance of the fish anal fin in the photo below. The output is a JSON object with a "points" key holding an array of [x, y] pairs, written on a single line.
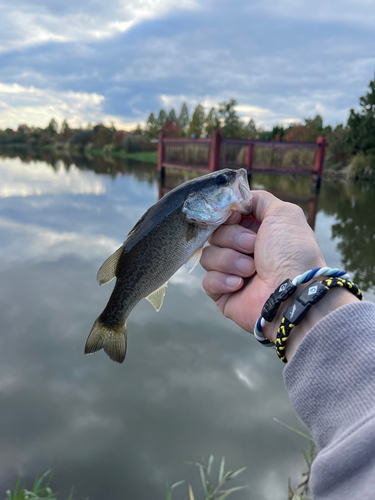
{"points": [[108, 270], [156, 298], [194, 260]]}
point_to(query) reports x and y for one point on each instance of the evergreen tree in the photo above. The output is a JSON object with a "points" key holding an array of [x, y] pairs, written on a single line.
{"points": [[162, 118], [52, 127], [197, 122], [184, 119], [64, 127], [152, 128], [278, 132], [231, 123], [65, 130], [172, 116], [361, 136], [251, 129], [212, 122]]}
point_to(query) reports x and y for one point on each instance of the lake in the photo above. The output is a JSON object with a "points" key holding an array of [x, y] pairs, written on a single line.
{"points": [[193, 383]]}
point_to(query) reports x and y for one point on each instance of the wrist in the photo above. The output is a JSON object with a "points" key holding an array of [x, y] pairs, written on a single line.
{"points": [[334, 299]]}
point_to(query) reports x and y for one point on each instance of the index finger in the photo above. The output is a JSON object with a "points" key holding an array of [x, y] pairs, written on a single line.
{"points": [[234, 218]]}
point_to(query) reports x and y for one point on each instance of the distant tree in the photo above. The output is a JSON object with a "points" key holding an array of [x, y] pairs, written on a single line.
{"points": [[212, 122], [172, 117], [278, 132], [172, 128], [231, 123], [361, 125], [52, 127], [80, 138], [118, 139], [196, 126], [152, 128], [23, 129], [314, 128], [184, 119], [102, 135], [307, 132], [162, 118], [138, 130], [64, 127], [337, 152], [295, 133], [65, 130], [251, 129]]}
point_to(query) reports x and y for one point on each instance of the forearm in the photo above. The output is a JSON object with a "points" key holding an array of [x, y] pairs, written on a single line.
{"points": [[330, 379]]}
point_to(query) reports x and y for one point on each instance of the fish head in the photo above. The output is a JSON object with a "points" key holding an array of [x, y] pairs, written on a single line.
{"points": [[214, 197]]}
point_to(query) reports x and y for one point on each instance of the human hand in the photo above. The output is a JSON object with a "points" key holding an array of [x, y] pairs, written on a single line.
{"points": [[250, 256]]}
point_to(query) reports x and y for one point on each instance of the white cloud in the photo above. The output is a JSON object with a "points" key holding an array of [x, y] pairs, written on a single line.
{"points": [[18, 179], [262, 116], [30, 242], [33, 25], [35, 106]]}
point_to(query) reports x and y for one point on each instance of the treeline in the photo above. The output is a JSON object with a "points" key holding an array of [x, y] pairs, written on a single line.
{"points": [[226, 119], [352, 143], [95, 139]]}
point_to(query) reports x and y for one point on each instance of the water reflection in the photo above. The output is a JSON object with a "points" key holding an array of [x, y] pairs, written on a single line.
{"points": [[192, 384], [355, 228]]}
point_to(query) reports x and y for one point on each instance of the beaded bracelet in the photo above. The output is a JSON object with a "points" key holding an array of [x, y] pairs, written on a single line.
{"points": [[303, 303], [283, 292]]}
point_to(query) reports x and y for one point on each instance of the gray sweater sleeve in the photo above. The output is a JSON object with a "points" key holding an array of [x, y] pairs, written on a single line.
{"points": [[331, 384]]}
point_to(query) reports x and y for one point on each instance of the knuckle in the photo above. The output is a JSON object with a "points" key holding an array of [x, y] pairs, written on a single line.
{"points": [[296, 210]]}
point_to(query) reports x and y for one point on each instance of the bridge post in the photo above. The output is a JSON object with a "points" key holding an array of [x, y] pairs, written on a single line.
{"points": [[250, 155], [161, 155], [214, 161], [321, 143]]}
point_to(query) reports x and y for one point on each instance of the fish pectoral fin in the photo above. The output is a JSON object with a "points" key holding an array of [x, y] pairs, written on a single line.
{"points": [[108, 270], [156, 298], [194, 260]]}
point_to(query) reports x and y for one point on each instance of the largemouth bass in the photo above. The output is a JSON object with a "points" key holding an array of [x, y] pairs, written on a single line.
{"points": [[170, 234]]}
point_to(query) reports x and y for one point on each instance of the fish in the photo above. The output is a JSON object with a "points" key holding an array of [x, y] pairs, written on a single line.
{"points": [[170, 234]]}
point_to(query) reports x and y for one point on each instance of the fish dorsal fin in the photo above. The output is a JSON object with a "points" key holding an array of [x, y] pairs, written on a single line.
{"points": [[156, 298], [108, 270], [139, 223], [194, 260]]}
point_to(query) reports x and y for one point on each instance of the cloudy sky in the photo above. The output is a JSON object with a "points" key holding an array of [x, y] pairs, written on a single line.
{"points": [[117, 60]]}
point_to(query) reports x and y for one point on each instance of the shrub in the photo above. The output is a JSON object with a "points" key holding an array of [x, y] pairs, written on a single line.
{"points": [[363, 166]]}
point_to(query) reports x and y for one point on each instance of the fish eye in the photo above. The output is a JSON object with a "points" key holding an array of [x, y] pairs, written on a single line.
{"points": [[221, 179]]}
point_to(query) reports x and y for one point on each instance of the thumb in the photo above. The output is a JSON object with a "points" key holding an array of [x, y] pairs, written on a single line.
{"points": [[263, 204]]}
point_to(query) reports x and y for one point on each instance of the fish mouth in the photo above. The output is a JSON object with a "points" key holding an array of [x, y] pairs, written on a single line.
{"points": [[243, 194]]}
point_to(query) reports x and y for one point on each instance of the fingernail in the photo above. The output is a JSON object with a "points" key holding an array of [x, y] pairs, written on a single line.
{"points": [[244, 266], [233, 281], [246, 241]]}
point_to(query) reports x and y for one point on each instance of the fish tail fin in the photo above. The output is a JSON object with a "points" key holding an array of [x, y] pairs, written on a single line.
{"points": [[111, 339]]}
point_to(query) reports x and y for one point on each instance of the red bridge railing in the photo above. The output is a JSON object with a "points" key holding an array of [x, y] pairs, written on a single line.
{"points": [[208, 155]]}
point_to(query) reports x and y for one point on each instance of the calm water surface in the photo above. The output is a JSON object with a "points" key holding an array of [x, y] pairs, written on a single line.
{"points": [[192, 384]]}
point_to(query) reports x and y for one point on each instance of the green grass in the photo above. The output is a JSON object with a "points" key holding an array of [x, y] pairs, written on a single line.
{"points": [[39, 491]]}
